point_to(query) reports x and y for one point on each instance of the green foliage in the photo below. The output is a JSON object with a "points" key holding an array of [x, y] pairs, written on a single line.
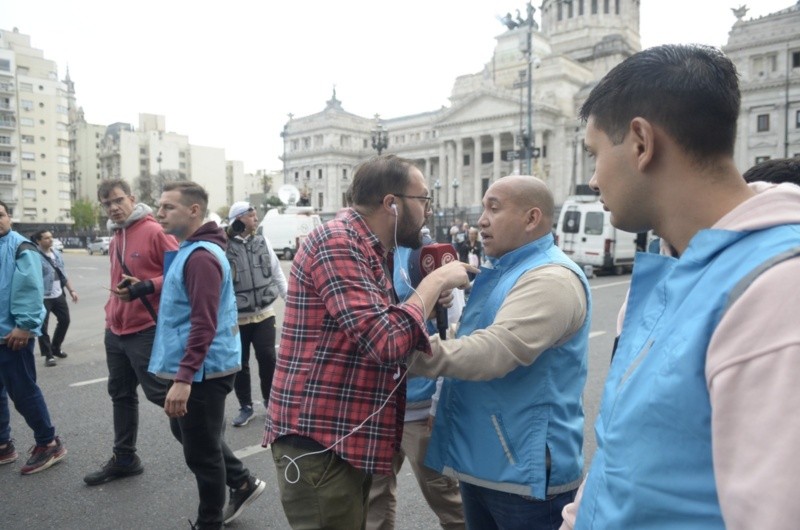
{"points": [[84, 213], [274, 202]]}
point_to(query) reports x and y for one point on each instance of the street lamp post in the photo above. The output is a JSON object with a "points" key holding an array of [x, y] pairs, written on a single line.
{"points": [[380, 136]]}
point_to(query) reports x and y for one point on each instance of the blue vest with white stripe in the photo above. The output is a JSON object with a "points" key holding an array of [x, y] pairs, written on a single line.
{"points": [[653, 467], [497, 434], [172, 332]]}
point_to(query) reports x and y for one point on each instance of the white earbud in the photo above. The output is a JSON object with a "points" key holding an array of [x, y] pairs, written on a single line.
{"points": [[394, 207]]}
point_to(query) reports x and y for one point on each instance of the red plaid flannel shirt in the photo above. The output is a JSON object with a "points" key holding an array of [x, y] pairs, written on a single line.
{"points": [[342, 341]]}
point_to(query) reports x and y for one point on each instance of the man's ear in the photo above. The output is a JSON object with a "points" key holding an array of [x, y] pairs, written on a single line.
{"points": [[534, 218], [642, 136]]}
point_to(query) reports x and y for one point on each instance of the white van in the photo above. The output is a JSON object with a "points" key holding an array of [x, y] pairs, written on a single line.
{"points": [[585, 233], [285, 231]]}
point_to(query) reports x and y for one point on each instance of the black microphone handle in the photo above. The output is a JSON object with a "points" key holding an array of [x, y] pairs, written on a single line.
{"points": [[441, 321]]}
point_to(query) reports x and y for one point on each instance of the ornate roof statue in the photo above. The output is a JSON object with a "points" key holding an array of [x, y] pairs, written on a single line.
{"points": [[740, 12]]}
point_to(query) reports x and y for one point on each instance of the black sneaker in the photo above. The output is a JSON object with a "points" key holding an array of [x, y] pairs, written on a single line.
{"points": [[8, 453], [113, 470], [60, 354], [44, 456], [240, 498], [49, 361]]}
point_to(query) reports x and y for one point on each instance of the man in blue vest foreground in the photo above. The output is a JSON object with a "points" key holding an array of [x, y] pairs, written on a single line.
{"points": [[197, 348], [696, 426], [21, 314], [510, 420]]}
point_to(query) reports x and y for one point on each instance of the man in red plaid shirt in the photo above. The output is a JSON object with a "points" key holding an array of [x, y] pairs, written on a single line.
{"points": [[336, 409]]}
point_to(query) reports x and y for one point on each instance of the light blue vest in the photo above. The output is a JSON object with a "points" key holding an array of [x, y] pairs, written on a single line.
{"points": [[31, 298], [172, 332], [496, 434], [653, 467]]}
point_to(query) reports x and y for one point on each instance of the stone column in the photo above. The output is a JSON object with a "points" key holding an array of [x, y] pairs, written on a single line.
{"points": [[451, 171], [459, 169], [497, 157], [477, 174], [441, 174]]}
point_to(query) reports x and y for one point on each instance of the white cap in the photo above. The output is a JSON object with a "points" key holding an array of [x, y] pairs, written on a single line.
{"points": [[238, 208]]}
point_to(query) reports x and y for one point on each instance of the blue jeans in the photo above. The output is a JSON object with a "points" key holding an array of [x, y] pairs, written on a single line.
{"points": [[18, 381], [487, 509]]}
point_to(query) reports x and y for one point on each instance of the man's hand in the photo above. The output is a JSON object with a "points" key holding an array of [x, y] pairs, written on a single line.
{"points": [[177, 397], [454, 275], [123, 291], [17, 338], [74, 295]]}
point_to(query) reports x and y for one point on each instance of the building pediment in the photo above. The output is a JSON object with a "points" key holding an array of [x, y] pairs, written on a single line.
{"points": [[481, 107]]}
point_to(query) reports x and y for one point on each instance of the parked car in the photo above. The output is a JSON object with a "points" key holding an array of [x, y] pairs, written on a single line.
{"points": [[100, 245], [58, 245]]}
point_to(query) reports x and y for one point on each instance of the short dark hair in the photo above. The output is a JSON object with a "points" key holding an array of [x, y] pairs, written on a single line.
{"points": [[191, 192], [5, 207], [37, 236], [692, 91], [378, 177], [107, 186], [777, 170]]}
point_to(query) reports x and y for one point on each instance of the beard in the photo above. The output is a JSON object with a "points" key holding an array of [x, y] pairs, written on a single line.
{"points": [[408, 234]]}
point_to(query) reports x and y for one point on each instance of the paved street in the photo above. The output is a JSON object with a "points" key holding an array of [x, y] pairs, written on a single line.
{"points": [[165, 497]]}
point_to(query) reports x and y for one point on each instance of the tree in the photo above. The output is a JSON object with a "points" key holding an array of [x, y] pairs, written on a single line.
{"points": [[274, 202], [84, 213]]}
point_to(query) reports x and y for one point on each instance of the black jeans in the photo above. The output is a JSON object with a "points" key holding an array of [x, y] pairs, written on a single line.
{"points": [[128, 357], [206, 453], [57, 306], [262, 336]]}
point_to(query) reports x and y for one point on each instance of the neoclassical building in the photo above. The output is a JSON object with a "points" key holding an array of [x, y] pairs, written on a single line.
{"points": [[482, 134], [766, 51]]}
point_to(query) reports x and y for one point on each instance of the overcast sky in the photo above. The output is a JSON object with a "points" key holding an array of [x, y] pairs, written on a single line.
{"points": [[227, 74]]}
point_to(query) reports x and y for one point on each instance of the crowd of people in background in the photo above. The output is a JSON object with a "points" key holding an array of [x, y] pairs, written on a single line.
{"points": [[694, 427]]}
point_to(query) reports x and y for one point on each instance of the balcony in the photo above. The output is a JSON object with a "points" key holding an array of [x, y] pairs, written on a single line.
{"points": [[7, 161], [6, 88], [6, 108], [8, 123]]}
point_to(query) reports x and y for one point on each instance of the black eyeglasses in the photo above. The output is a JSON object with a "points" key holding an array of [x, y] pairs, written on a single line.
{"points": [[113, 202], [426, 199]]}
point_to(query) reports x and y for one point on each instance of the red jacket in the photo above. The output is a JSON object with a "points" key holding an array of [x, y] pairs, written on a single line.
{"points": [[142, 245]]}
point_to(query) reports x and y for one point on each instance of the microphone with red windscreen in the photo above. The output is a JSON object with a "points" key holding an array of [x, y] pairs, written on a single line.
{"points": [[431, 258]]}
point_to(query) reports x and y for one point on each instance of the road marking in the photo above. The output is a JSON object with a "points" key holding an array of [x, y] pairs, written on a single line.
{"points": [[249, 451], [90, 382], [610, 284], [594, 334]]}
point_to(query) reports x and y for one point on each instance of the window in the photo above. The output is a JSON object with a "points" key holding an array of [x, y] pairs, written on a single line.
{"points": [[594, 7], [63, 159], [319, 173], [797, 119], [296, 176], [572, 222], [26, 104], [319, 200], [181, 154], [142, 151], [63, 143], [487, 158], [616, 7], [5, 140], [25, 87], [762, 123], [570, 13], [63, 177], [594, 224], [29, 193], [61, 109], [29, 175], [308, 173], [27, 155], [5, 65], [5, 176], [344, 171], [580, 7], [466, 160], [795, 59], [63, 195], [182, 165], [605, 6], [30, 212], [317, 140], [560, 10], [760, 159], [5, 156], [27, 138], [366, 144], [28, 122]]}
